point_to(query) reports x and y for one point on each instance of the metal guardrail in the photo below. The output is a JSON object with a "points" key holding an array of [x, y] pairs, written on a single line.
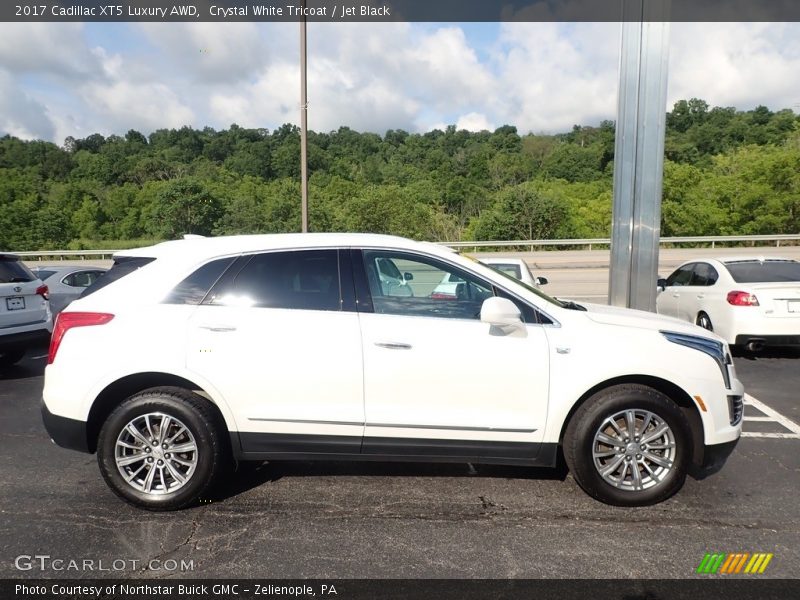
{"points": [[589, 243], [66, 254], [581, 243]]}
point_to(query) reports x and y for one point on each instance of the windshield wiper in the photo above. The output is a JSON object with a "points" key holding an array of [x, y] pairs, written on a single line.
{"points": [[571, 305]]}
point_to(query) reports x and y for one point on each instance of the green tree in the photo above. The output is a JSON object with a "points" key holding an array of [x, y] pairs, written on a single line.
{"points": [[527, 211], [184, 206]]}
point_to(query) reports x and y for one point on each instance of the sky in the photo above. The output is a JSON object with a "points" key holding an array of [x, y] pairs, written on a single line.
{"points": [[75, 79]]}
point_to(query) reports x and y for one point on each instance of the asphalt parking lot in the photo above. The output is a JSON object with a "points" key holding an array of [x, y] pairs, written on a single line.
{"points": [[335, 520]]}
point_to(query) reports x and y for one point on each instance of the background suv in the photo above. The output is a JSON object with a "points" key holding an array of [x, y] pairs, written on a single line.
{"points": [[192, 353], [25, 317]]}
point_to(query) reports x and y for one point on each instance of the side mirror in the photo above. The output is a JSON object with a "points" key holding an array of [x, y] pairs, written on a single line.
{"points": [[500, 312], [408, 276], [542, 281], [661, 284]]}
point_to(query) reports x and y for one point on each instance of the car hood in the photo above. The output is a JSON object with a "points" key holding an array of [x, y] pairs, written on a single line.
{"points": [[628, 317]]}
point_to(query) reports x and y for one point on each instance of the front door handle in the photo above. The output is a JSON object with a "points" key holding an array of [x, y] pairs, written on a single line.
{"points": [[701, 296], [218, 328], [676, 295], [393, 345]]}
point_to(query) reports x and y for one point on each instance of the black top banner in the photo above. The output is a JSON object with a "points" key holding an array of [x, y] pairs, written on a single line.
{"points": [[401, 10]]}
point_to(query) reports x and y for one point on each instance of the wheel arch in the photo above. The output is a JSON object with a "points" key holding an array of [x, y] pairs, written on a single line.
{"points": [[669, 389], [114, 393]]}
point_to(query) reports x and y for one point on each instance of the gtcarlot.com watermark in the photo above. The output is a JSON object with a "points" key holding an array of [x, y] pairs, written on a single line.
{"points": [[45, 562]]}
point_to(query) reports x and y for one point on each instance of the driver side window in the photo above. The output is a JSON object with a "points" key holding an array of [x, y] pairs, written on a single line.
{"points": [[411, 285]]}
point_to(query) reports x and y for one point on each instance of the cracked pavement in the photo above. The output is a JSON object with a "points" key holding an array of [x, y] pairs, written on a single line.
{"points": [[342, 520]]}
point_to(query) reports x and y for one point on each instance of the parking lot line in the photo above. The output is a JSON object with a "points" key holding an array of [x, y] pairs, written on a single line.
{"points": [[779, 436], [772, 416]]}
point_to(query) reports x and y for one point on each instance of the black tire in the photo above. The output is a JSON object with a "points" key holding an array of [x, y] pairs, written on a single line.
{"points": [[193, 412], [579, 443], [704, 321], [11, 356]]}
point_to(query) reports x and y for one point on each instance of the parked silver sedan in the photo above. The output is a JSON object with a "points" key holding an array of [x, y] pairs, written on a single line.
{"points": [[66, 283]]}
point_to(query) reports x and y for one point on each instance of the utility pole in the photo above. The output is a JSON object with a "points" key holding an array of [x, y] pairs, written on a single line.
{"points": [[303, 125]]}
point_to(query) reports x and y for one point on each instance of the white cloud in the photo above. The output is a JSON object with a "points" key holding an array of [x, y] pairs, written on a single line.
{"points": [[365, 76], [474, 122], [21, 115], [54, 48], [557, 75], [736, 64], [540, 77], [210, 53], [127, 101]]}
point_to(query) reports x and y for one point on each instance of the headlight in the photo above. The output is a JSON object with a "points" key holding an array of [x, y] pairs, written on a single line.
{"points": [[714, 349]]}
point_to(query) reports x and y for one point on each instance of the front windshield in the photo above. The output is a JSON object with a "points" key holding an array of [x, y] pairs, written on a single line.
{"points": [[530, 288]]}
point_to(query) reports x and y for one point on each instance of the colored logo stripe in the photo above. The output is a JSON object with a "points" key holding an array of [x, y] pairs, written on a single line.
{"points": [[711, 562], [758, 563], [720, 562]]}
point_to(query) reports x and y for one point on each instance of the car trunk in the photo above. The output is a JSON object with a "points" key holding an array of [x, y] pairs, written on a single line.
{"points": [[20, 305], [777, 300]]}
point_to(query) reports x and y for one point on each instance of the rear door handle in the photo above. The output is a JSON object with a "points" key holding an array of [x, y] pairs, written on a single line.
{"points": [[701, 296], [393, 345], [218, 328]]}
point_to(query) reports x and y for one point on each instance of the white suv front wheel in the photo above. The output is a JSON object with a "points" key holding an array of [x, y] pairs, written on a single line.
{"points": [[160, 449], [628, 445]]}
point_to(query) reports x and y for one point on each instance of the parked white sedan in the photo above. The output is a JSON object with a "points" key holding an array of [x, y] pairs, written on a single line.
{"points": [[751, 302]]}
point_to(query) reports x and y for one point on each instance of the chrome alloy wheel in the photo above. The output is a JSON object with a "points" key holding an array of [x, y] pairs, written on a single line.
{"points": [[634, 450], [156, 453]]}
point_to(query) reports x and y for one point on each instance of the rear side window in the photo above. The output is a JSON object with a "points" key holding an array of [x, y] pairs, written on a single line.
{"points": [[194, 288], [764, 272], [123, 265], [13, 271], [301, 279], [81, 279], [703, 275], [682, 276]]}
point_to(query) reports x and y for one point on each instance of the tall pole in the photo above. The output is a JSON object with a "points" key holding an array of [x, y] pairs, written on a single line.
{"points": [[303, 126], [639, 154]]}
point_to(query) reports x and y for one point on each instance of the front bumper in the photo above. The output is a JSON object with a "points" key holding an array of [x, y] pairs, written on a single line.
{"points": [[67, 433], [712, 460]]}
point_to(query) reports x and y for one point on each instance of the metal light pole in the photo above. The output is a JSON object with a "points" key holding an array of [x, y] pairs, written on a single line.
{"points": [[639, 154], [303, 126]]}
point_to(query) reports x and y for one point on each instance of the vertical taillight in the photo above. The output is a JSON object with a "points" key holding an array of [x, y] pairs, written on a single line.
{"points": [[66, 321], [43, 291], [738, 298]]}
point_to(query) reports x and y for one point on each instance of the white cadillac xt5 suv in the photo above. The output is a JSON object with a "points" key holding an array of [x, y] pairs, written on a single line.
{"points": [[192, 354]]}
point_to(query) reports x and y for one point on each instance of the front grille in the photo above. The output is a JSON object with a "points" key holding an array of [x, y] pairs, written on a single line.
{"points": [[735, 409]]}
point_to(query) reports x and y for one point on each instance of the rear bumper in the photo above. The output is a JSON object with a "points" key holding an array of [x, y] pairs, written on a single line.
{"points": [[67, 433], [713, 459], [24, 339], [768, 340]]}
